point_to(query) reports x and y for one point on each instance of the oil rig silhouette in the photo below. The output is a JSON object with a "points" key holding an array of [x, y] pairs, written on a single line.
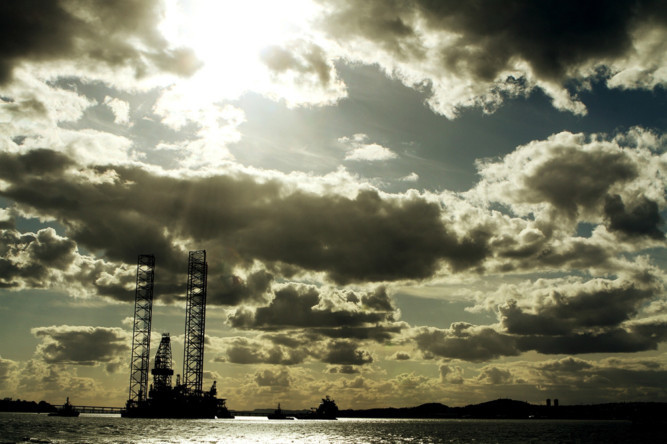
{"points": [[161, 400]]}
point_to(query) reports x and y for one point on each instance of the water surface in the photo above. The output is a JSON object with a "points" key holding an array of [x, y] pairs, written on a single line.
{"points": [[26, 427]]}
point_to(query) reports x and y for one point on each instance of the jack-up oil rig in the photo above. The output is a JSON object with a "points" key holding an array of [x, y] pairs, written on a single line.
{"points": [[161, 400]]}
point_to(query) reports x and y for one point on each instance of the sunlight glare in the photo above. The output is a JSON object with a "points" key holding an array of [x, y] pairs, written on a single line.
{"points": [[228, 37]]}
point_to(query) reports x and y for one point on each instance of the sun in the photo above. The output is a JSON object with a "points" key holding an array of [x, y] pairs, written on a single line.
{"points": [[229, 36]]}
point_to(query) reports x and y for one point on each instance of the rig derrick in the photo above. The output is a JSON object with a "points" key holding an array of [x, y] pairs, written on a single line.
{"points": [[185, 400]]}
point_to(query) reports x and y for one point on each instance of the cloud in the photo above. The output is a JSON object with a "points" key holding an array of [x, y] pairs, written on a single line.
{"points": [[117, 34], [34, 259], [246, 351], [483, 343], [610, 378], [572, 174], [46, 260], [120, 109], [643, 219], [558, 316], [566, 308], [466, 342], [54, 381], [279, 379], [345, 353], [553, 185], [412, 177], [345, 370], [477, 55], [216, 128], [126, 209], [301, 58], [334, 315], [361, 151], [233, 290], [494, 375], [451, 374], [8, 373], [267, 222], [597, 322], [80, 345]]}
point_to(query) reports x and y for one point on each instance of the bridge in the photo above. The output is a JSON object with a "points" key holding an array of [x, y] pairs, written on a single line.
{"points": [[95, 409]]}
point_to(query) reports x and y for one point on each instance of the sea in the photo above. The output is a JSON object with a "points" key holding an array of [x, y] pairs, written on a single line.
{"points": [[89, 428]]}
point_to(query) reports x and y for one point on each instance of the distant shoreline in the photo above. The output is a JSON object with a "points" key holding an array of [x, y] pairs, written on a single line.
{"points": [[510, 409], [649, 412]]}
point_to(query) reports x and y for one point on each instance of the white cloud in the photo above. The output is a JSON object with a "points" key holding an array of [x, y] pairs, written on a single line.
{"points": [[361, 151], [412, 177], [120, 109]]}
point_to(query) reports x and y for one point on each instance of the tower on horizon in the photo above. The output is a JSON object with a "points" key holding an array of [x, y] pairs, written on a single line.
{"points": [[141, 332], [195, 316]]}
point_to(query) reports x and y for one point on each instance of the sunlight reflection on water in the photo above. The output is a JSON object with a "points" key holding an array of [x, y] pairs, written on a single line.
{"points": [[16, 427]]}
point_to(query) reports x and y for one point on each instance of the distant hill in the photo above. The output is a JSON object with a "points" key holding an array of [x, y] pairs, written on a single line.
{"points": [[511, 409], [431, 410], [17, 405]]}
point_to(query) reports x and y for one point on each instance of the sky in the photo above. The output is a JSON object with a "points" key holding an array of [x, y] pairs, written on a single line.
{"points": [[401, 201]]}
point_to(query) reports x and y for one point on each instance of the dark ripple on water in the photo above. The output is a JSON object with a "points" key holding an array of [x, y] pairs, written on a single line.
{"points": [[16, 427]]}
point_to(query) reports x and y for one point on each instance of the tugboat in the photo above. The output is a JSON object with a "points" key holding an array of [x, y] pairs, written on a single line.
{"points": [[278, 414], [66, 410], [326, 410]]}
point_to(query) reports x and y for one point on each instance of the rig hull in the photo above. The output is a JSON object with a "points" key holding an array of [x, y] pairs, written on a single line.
{"points": [[187, 407]]}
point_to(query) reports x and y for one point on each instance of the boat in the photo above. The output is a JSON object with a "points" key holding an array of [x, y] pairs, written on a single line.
{"points": [[278, 414], [66, 410], [326, 410]]}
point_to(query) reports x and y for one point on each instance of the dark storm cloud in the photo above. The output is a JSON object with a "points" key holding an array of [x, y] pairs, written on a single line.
{"points": [[46, 260], [308, 59], [246, 351], [7, 224], [112, 32], [553, 37], [377, 333], [298, 308], [587, 308], [479, 343], [31, 259], [345, 370], [378, 300], [76, 345], [51, 250], [345, 353], [380, 22], [270, 378], [365, 238], [642, 219], [270, 349], [234, 290], [634, 378], [286, 339], [597, 316], [615, 340], [35, 164], [466, 342], [573, 179]]}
